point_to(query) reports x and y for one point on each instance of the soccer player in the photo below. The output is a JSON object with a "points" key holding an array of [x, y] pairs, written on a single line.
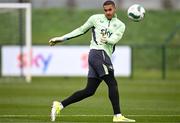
{"points": [[107, 30]]}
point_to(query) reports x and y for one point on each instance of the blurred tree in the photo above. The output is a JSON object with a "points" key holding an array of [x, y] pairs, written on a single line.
{"points": [[119, 3], [24, 1], [71, 4], [167, 4]]}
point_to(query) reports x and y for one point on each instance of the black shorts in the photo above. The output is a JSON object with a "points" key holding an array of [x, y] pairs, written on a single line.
{"points": [[99, 64]]}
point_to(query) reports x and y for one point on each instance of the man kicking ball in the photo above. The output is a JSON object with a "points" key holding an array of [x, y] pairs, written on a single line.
{"points": [[107, 30]]}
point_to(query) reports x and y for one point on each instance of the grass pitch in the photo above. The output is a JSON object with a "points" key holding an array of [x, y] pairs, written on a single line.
{"points": [[146, 101]]}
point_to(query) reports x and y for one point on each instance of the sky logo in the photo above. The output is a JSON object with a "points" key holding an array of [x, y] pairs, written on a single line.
{"points": [[39, 61]]}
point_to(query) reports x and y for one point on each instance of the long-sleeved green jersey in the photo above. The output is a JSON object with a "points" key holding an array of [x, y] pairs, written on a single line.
{"points": [[112, 31]]}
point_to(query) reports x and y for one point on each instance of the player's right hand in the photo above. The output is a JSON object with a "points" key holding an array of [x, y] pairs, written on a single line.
{"points": [[52, 42], [55, 40]]}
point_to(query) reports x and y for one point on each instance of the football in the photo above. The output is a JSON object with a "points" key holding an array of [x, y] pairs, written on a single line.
{"points": [[136, 12]]}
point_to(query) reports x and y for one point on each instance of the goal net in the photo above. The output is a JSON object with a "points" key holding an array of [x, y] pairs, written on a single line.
{"points": [[15, 40]]}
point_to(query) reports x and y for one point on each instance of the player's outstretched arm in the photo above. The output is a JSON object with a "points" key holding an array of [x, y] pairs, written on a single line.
{"points": [[56, 40], [75, 33]]}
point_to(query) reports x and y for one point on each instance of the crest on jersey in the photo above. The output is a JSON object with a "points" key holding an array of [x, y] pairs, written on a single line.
{"points": [[101, 21], [114, 25]]}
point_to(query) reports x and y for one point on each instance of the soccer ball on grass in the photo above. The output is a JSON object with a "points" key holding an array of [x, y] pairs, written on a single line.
{"points": [[136, 12]]}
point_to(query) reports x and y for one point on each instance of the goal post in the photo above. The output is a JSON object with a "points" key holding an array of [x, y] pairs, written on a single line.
{"points": [[28, 31]]}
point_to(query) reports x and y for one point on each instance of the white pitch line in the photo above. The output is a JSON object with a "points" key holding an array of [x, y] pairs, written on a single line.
{"points": [[4, 116]]}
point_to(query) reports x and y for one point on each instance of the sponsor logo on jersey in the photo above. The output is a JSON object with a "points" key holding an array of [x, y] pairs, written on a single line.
{"points": [[106, 32]]}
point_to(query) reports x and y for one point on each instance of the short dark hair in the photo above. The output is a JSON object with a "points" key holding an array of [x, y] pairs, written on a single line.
{"points": [[109, 2]]}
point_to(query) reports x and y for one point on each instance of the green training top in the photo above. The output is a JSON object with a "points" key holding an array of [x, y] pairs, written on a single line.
{"points": [[101, 27]]}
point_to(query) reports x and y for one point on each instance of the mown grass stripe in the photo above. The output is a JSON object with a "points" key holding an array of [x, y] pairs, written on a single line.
{"points": [[1, 116]]}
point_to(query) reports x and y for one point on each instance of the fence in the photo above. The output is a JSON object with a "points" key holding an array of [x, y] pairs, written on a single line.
{"points": [[156, 61]]}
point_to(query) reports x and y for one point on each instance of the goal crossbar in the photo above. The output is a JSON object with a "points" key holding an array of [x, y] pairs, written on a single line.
{"points": [[15, 5]]}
